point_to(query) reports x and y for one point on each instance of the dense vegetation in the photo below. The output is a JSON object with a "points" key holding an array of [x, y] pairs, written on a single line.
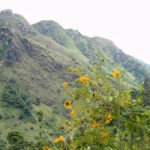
{"points": [[34, 63], [100, 115]]}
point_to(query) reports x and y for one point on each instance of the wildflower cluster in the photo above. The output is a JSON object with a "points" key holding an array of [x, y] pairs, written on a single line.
{"points": [[99, 113]]}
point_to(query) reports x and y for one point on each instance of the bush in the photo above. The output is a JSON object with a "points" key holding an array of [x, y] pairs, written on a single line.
{"points": [[103, 115], [14, 97]]}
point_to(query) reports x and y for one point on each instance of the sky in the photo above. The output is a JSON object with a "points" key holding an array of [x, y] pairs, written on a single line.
{"points": [[125, 22]]}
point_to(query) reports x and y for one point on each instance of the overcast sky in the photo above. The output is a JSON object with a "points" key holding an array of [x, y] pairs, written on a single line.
{"points": [[125, 22]]}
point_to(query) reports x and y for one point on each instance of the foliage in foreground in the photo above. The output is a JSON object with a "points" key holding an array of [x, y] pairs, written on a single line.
{"points": [[101, 116], [104, 115]]}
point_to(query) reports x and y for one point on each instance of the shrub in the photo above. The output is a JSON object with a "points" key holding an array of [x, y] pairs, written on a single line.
{"points": [[103, 114]]}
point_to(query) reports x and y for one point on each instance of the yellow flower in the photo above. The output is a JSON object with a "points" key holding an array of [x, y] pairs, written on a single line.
{"points": [[116, 73], [72, 113], [105, 134], [46, 148], [67, 104], [65, 84], [108, 118], [59, 139], [84, 79], [95, 125]]}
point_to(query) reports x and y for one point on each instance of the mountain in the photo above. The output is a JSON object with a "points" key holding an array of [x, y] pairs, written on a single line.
{"points": [[95, 47], [34, 61], [32, 57], [56, 32], [32, 70]]}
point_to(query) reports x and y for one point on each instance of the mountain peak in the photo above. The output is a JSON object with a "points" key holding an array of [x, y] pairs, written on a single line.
{"points": [[6, 12], [15, 22], [49, 22], [55, 31]]}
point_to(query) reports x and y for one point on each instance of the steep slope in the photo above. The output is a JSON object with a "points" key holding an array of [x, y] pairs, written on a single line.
{"points": [[32, 70], [53, 30], [96, 47], [112, 54], [30, 54], [56, 32], [33, 64]]}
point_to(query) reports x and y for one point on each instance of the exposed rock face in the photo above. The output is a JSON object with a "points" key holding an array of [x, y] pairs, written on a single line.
{"points": [[28, 47], [9, 47]]}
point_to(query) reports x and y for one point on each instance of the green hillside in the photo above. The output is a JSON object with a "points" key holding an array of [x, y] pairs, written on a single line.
{"points": [[94, 48], [56, 32], [34, 62]]}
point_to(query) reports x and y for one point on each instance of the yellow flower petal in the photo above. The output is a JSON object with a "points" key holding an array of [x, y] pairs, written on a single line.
{"points": [[84, 79], [108, 118], [95, 125], [67, 104], [116, 73], [72, 113], [65, 84], [46, 148], [59, 139]]}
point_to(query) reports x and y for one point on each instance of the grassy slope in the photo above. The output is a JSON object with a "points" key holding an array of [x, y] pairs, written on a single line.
{"points": [[54, 31], [43, 60], [40, 71], [135, 71], [96, 47]]}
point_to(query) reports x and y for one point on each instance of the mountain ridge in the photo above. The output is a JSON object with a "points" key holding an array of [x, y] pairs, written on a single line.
{"points": [[33, 67], [90, 45]]}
